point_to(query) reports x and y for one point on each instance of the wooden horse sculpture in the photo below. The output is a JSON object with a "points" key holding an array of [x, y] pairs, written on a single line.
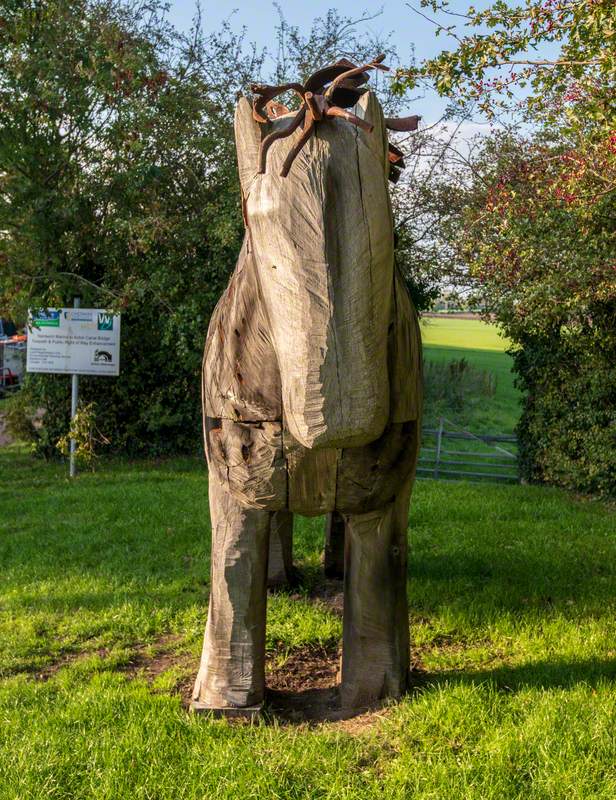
{"points": [[312, 384]]}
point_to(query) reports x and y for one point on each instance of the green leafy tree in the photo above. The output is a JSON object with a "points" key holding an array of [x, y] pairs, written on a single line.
{"points": [[542, 248], [118, 183], [499, 50], [539, 229]]}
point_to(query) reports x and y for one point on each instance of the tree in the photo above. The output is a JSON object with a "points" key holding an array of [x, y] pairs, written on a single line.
{"points": [[539, 225], [541, 246], [109, 138], [118, 183], [491, 61]]}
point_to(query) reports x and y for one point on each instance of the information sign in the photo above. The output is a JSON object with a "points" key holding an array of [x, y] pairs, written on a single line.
{"points": [[80, 341]]}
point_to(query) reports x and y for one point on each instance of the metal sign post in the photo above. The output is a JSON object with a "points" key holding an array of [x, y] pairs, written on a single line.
{"points": [[72, 470]]}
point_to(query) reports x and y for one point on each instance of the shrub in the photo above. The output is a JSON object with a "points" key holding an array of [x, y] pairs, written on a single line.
{"points": [[455, 385], [567, 432]]}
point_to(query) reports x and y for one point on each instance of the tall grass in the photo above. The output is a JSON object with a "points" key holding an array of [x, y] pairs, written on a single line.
{"points": [[455, 385], [490, 407]]}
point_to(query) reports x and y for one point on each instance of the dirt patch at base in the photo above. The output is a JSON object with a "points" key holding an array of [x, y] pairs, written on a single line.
{"points": [[303, 687], [307, 668]]}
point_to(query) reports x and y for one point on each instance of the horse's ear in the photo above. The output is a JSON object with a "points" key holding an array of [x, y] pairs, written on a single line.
{"points": [[247, 142], [369, 109]]}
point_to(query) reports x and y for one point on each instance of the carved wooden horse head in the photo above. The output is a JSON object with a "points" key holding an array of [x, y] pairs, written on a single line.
{"points": [[316, 205]]}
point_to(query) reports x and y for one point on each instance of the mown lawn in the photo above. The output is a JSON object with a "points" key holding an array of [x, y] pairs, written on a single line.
{"points": [[449, 339], [513, 619]]}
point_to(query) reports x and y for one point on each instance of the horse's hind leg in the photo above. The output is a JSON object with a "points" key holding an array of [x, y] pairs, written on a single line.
{"points": [[280, 572], [232, 671], [375, 649], [333, 554]]}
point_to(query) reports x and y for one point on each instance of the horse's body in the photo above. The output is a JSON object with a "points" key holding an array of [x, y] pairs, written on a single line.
{"points": [[312, 402]]}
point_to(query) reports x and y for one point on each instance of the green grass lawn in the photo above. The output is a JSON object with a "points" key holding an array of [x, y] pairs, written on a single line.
{"points": [[513, 618], [449, 339]]}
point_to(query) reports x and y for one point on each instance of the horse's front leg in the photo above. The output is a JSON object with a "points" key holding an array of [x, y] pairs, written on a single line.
{"points": [[232, 671], [375, 645]]}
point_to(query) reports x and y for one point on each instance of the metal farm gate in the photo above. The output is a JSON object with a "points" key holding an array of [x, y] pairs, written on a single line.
{"points": [[460, 455]]}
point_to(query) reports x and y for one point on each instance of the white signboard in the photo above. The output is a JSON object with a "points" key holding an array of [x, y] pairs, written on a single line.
{"points": [[83, 341]]}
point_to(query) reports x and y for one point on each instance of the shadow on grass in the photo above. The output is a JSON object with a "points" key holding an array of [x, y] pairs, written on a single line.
{"points": [[557, 674], [322, 704], [317, 705], [128, 571], [487, 581], [31, 472]]}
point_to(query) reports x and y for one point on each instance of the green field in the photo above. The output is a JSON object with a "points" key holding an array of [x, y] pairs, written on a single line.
{"points": [[103, 601], [462, 334], [481, 345]]}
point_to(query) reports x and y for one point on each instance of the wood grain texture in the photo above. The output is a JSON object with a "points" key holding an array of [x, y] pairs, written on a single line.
{"points": [[232, 671], [248, 460], [375, 639], [241, 380], [370, 477], [311, 477], [323, 245]]}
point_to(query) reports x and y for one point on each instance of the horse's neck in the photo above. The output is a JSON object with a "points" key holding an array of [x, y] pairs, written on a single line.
{"points": [[405, 363], [241, 379]]}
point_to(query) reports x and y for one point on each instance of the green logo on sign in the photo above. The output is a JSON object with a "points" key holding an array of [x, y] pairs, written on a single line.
{"points": [[47, 319], [105, 322]]}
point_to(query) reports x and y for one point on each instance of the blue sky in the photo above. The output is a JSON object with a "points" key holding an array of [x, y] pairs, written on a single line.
{"points": [[260, 18], [409, 30], [408, 27]]}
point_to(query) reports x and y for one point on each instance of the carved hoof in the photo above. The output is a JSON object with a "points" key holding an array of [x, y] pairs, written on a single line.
{"points": [[355, 696], [251, 713]]}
